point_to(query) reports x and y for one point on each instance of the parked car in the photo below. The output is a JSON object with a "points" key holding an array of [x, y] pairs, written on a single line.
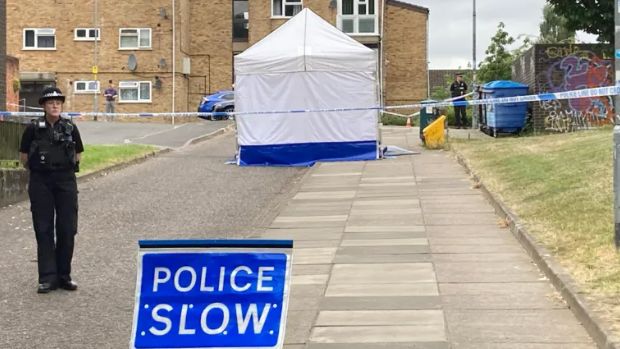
{"points": [[221, 101]]}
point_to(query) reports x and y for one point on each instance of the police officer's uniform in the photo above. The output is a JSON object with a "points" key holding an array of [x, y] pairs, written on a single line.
{"points": [[53, 194], [457, 89]]}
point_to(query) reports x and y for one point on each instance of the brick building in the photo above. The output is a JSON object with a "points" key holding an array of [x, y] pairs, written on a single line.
{"points": [[566, 67], [131, 43], [12, 84]]}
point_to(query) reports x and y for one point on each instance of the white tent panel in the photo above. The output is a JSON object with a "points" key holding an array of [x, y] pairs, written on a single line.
{"points": [[313, 90]]}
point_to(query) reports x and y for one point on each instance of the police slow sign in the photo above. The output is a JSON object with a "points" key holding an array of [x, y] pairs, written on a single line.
{"points": [[211, 294]]}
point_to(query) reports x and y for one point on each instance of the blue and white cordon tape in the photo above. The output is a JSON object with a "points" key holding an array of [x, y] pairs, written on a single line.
{"points": [[585, 93]]}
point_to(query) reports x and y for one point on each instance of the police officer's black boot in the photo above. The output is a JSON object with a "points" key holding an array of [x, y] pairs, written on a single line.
{"points": [[46, 287]]}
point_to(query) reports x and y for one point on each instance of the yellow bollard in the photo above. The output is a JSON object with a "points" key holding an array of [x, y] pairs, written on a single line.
{"points": [[434, 134]]}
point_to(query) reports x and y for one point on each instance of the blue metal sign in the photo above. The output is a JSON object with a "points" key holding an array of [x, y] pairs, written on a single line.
{"points": [[209, 296], [617, 54]]}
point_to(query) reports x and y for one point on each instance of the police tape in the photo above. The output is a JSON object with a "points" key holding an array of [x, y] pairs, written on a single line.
{"points": [[575, 94]]}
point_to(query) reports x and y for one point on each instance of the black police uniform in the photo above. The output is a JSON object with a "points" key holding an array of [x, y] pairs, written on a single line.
{"points": [[459, 89], [53, 194]]}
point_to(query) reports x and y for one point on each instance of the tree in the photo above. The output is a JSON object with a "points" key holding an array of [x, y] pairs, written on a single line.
{"points": [[553, 28], [594, 17], [497, 65]]}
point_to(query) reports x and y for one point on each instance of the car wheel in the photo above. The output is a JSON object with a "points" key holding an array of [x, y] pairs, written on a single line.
{"points": [[228, 109]]}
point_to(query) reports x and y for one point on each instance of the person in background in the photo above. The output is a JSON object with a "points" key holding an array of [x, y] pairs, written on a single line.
{"points": [[51, 149], [457, 89], [110, 95]]}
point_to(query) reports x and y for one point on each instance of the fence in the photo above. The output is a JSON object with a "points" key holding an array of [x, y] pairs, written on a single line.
{"points": [[10, 136]]}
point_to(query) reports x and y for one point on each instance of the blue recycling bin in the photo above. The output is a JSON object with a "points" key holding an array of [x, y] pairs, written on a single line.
{"points": [[503, 118]]}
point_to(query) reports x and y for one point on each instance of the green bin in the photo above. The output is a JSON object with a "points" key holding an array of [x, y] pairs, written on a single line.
{"points": [[427, 115]]}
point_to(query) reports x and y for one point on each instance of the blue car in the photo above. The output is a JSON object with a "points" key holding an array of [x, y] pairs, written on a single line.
{"points": [[221, 101]]}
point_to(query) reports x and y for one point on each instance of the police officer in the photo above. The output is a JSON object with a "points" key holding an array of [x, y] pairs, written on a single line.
{"points": [[457, 89], [51, 148]]}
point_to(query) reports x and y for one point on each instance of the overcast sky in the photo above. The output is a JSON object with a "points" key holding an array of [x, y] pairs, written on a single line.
{"points": [[450, 35]]}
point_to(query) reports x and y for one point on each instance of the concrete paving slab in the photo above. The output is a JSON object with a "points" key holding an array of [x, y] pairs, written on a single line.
{"points": [[380, 236], [385, 242], [306, 224], [320, 279], [352, 228], [325, 195], [382, 220], [382, 258], [299, 219], [466, 240], [387, 203], [494, 249], [322, 255], [380, 211], [377, 334], [460, 218], [366, 179], [311, 269], [399, 184], [481, 230], [518, 256], [388, 273], [313, 211], [316, 243], [380, 318], [338, 174], [487, 272], [374, 250], [383, 290], [517, 326], [380, 303], [447, 207], [297, 237], [413, 345], [522, 345]]}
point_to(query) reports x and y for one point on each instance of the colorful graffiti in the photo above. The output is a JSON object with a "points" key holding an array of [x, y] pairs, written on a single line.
{"points": [[579, 69]]}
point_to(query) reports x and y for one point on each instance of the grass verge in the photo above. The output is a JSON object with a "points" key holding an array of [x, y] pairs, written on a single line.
{"points": [[97, 157], [561, 187]]}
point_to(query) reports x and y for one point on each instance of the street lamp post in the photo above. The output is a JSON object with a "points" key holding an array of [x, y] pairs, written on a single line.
{"points": [[474, 117], [617, 133]]}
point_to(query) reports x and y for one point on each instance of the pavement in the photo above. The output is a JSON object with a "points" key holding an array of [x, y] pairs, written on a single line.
{"points": [[406, 253]]}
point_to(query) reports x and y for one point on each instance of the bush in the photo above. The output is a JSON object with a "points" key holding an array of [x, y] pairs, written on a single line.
{"points": [[393, 120]]}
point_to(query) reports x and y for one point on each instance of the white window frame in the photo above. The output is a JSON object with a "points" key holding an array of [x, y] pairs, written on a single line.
{"points": [[36, 36], [356, 17], [87, 90], [286, 3], [134, 84], [138, 31], [87, 37]]}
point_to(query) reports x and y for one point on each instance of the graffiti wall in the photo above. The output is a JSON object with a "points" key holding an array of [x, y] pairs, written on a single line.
{"points": [[569, 67]]}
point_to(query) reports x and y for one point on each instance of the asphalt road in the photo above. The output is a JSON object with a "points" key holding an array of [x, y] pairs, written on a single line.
{"points": [[164, 135], [188, 193]]}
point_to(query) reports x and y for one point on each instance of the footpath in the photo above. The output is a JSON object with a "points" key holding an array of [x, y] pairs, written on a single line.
{"points": [[407, 253]]}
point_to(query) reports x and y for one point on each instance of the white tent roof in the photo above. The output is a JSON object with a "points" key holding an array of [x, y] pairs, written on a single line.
{"points": [[319, 46]]}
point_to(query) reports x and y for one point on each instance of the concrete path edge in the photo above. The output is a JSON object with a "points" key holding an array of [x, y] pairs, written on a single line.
{"points": [[559, 277]]}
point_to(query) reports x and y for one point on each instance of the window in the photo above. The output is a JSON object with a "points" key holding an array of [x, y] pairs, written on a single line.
{"points": [[357, 16], [134, 38], [86, 86], [40, 39], [86, 34], [240, 20], [135, 91], [285, 8]]}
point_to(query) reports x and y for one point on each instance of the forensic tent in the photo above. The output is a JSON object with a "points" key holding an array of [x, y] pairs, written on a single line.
{"points": [[281, 81]]}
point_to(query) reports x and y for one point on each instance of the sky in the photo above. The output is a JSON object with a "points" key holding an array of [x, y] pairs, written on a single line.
{"points": [[451, 28]]}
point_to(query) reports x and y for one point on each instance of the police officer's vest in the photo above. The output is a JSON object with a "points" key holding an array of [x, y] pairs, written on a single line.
{"points": [[53, 147]]}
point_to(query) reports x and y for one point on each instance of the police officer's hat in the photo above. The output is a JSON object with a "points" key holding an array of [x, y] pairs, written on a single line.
{"points": [[51, 93]]}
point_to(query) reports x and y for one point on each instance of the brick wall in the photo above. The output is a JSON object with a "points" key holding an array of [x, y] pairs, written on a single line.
{"points": [[405, 55], [3, 87], [565, 67]]}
